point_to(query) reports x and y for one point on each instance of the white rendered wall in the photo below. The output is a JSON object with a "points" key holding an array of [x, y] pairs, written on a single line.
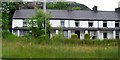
{"points": [[100, 24], [95, 24], [66, 23], [17, 23]]}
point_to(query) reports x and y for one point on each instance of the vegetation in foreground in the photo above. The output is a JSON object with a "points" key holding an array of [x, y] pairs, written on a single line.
{"points": [[57, 47]]}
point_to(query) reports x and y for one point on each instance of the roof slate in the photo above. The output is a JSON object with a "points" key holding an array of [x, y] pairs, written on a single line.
{"points": [[74, 14]]}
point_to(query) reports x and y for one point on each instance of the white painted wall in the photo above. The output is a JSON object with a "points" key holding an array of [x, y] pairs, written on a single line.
{"points": [[100, 24], [66, 23], [83, 24], [17, 23]]}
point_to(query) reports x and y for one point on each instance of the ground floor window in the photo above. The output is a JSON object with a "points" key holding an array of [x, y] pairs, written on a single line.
{"points": [[117, 34], [22, 32], [15, 32], [65, 34]]}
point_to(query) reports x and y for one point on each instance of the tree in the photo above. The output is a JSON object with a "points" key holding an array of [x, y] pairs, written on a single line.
{"points": [[76, 8], [8, 9], [57, 5], [37, 21]]}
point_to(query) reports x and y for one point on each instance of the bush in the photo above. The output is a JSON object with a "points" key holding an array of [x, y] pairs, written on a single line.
{"points": [[5, 34], [86, 36], [74, 36]]}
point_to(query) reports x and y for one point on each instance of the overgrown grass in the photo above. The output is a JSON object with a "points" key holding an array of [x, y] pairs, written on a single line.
{"points": [[58, 47], [31, 50]]}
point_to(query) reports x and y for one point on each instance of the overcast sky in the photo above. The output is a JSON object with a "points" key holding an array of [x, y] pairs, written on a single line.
{"points": [[107, 5]]}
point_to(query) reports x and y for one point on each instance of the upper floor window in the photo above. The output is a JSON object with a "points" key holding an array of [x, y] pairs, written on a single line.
{"points": [[104, 23], [90, 24], [76, 23], [62, 23], [117, 24], [24, 23]]}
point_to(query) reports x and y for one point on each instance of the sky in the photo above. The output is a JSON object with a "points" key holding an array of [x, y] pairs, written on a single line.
{"points": [[104, 5]]}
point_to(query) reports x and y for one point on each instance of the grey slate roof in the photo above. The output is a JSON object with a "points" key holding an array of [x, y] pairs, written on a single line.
{"points": [[74, 14]]}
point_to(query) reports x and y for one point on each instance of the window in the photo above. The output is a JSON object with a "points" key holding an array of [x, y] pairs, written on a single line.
{"points": [[24, 23], [104, 23], [66, 34], [62, 23], [116, 23], [104, 35], [76, 23], [117, 34], [90, 24]]}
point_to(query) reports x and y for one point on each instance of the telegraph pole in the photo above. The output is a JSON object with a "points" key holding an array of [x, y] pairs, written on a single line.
{"points": [[44, 7]]}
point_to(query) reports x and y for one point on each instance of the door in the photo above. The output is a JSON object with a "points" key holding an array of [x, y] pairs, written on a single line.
{"points": [[104, 35], [78, 33]]}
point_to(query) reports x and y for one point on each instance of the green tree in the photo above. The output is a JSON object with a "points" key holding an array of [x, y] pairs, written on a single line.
{"points": [[75, 8], [8, 9], [36, 23], [57, 5]]}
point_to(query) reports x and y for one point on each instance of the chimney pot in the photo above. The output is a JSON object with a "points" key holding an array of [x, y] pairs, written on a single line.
{"points": [[94, 8]]}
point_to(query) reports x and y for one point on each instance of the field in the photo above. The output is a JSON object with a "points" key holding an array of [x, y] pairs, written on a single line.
{"points": [[23, 49]]}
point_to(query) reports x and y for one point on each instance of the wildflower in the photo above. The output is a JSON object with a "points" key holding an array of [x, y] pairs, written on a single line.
{"points": [[30, 43], [23, 46]]}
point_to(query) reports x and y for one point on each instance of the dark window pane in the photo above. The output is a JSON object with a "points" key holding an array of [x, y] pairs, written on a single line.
{"points": [[90, 24], [62, 23], [104, 24], [76, 24], [104, 35], [116, 24]]}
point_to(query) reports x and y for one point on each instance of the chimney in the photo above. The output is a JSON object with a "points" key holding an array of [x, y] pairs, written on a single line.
{"points": [[94, 8], [17, 6], [118, 9]]}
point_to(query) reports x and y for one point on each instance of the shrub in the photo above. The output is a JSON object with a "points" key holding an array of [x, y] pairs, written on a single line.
{"points": [[74, 36], [86, 36], [5, 34]]}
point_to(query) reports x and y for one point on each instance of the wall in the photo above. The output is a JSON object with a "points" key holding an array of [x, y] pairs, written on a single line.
{"points": [[83, 24]]}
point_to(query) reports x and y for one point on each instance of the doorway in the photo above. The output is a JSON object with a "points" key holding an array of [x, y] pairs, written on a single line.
{"points": [[78, 33]]}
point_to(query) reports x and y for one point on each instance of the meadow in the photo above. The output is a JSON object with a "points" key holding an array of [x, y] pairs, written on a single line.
{"points": [[22, 47]]}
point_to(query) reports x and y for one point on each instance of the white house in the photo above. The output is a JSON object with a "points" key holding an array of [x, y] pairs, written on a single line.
{"points": [[100, 24]]}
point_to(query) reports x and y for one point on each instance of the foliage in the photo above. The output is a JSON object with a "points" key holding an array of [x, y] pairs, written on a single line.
{"points": [[76, 8], [74, 36], [37, 21], [86, 36], [8, 9], [67, 6], [57, 5]]}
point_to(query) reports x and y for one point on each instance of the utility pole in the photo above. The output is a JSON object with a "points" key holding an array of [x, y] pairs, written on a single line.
{"points": [[44, 7]]}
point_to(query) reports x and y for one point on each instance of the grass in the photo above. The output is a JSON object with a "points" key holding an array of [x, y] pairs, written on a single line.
{"points": [[57, 47], [22, 49]]}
